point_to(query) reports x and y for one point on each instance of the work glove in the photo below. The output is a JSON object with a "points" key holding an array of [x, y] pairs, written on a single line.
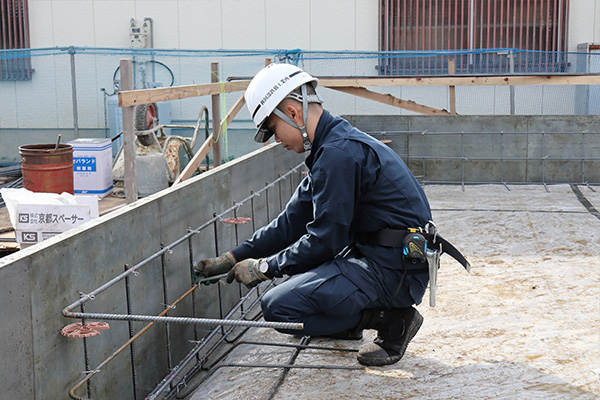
{"points": [[247, 272], [213, 266]]}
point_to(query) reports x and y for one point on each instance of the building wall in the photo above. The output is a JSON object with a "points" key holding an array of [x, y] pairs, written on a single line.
{"points": [[36, 110], [238, 24], [208, 24], [584, 22]]}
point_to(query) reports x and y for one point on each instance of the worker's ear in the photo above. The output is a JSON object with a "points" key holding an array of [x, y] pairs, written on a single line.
{"points": [[293, 112]]}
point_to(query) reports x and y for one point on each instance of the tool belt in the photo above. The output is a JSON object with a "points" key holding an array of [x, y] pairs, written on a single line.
{"points": [[395, 238]]}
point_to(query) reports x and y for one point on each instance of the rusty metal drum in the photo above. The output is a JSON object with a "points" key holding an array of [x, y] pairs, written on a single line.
{"points": [[47, 167]]}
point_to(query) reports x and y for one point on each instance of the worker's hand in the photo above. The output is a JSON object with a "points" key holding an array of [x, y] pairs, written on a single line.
{"points": [[213, 266], [247, 272]]}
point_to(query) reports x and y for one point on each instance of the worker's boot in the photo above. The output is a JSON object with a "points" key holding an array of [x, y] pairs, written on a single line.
{"points": [[395, 329], [348, 334]]}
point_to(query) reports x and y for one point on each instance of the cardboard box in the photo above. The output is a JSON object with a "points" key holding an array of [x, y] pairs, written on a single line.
{"points": [[92, 166], [37, 222]]}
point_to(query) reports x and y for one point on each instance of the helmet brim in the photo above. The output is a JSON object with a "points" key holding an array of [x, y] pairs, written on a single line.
{"points": [[263, 133]]}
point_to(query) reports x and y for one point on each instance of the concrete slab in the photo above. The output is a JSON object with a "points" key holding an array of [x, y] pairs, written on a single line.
{"points": [[524, 324]]}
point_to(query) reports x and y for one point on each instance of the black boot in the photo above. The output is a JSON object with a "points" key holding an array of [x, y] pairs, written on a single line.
{"points": [[395, 329], [348, 334]]}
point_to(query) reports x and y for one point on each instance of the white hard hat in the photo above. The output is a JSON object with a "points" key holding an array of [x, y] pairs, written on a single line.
{"points": [[269, 87]]}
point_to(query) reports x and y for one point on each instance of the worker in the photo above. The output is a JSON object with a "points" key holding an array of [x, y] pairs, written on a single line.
{"points": [[340, 235]]}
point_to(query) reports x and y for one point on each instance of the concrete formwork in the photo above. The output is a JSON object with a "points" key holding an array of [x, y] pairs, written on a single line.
{"points": [[481, 149], [38, 282]]}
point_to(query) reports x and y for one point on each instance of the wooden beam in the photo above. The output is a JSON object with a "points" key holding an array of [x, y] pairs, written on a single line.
{"points": [[147, 96], [188, 171], [234, 110], [391, 100], [464, 81]]}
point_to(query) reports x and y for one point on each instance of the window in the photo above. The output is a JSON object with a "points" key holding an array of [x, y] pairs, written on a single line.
{"points": [[14, 34], [475, 25]]}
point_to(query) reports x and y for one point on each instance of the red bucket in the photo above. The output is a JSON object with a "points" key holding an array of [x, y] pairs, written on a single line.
{"points": [[47, 168]]}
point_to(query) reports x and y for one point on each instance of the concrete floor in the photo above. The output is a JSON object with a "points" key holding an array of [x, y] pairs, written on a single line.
{"points": [[525, 324]]}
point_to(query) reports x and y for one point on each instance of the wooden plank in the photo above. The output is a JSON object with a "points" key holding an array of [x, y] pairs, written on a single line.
{"points": [[234, 110], [147, 96], [391, 100], [464, 81], [452, 88], [129, 179], [188, 171]]}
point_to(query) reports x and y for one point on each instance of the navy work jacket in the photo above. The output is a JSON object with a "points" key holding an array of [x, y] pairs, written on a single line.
{"points": [[355, 184]]}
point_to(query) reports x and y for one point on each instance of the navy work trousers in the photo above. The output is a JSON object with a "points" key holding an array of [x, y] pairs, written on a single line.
{"points": [[323, 299]]}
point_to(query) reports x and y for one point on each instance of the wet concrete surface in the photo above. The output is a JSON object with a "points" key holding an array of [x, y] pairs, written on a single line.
{"points": [[524, 324]]}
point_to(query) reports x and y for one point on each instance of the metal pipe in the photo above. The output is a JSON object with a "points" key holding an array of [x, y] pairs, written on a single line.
{"points": [[74, 92]]}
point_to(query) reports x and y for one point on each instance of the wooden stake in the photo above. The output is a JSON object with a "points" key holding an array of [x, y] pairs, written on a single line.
{"points": [[131, 195], [216, 116], [452, 71]]}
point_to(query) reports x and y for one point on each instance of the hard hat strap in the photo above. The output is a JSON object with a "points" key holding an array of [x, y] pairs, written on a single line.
{"points": [[280, 114]]}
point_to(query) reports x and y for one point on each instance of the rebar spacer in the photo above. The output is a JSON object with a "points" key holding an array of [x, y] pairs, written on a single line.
{"points": [[79, 330]]}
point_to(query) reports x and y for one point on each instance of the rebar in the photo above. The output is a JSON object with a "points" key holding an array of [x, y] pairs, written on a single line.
{"points": [[201, 345], [86, 297], [130, 317], [166, 302], [187, 320], [130, 328], [119, 350], [304, 341], [191, 258]]}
